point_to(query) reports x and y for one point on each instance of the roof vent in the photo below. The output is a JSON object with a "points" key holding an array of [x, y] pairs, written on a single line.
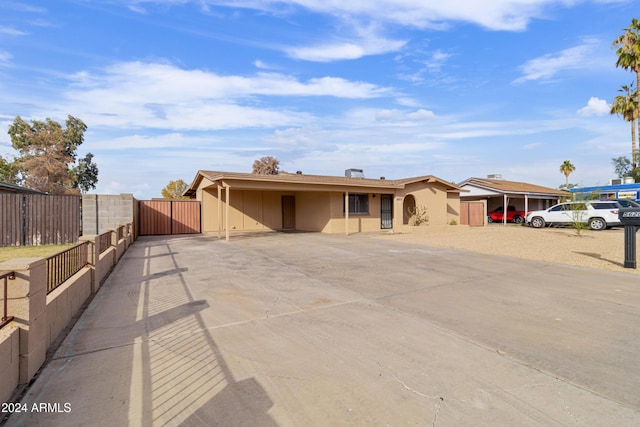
{"points": [[494, 176], [615, 181], [354, 173]]}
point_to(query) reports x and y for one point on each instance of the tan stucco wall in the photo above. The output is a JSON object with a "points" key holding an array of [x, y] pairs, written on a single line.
{"points": [[313, 210], [258, 210], [441, 206], [248, 211], [357, 223], [254, 210], [453, 207]]}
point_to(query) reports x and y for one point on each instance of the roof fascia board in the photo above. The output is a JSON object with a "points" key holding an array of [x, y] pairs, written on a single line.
{"points": [[298, 186]]}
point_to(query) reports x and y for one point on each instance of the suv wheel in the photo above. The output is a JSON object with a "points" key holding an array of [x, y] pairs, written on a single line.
{"points": [[597, 224], [537, 222]]}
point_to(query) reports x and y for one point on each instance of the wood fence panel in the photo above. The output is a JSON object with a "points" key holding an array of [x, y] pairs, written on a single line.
{"points": [[10, 219], [163, 217], [155, 217], [185, 216], [39, 219], [472, 214]]}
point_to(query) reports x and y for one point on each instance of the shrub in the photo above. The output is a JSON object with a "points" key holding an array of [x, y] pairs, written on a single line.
{"points": [[418, 215]]}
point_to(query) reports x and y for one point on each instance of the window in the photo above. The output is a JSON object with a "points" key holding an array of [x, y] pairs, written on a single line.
{"points": [[358, 204], [577, 207], [606, 205]]}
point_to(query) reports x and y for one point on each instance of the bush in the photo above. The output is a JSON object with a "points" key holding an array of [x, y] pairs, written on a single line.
{"points": [[418, 216]]}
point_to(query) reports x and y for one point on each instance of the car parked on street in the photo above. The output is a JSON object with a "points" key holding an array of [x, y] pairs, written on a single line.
{"points": [[597, 214]]}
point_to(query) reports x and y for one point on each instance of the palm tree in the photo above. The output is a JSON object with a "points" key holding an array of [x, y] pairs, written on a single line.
{"points": [[567, 168], [627, 106], [628, 50]]}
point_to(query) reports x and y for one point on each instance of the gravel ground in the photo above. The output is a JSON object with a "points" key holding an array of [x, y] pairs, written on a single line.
{"points": [[595, 249]]}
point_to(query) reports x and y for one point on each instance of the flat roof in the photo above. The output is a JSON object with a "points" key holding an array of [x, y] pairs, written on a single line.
{"points": [[603, 188]]}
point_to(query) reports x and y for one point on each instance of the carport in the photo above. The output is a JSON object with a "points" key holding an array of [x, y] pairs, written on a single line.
{"points": [[502, 193]]}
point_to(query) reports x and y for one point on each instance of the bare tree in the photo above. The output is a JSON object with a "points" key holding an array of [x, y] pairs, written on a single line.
{"points": [[266, 166]]}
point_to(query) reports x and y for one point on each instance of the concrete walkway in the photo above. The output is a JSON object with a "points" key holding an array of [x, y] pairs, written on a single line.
{"points": [[311, 329]]}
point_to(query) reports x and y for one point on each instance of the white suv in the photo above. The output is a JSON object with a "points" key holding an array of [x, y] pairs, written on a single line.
{"points": [[598, 214]]}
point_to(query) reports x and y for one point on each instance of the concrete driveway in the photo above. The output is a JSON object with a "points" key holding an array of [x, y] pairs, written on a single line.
{"points": [[312, 329]]}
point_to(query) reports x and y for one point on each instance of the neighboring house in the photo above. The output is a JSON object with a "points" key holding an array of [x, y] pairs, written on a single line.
{"points": [[330, 204], [501, 193], [5, 187]]}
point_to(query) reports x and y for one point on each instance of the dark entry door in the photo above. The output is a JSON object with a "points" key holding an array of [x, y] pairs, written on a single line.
{"points": [[288, 212], [386, 211]]}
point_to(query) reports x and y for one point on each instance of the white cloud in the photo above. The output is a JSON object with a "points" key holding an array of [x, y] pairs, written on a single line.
{"points": [[263, 65], [595, 107], [400, 116], [511, 15], [136, 94], [421, 115], [136, 141], [10, 31], [5, 58], [150, 81], [533, 146], [345, 50], [547, 66]]}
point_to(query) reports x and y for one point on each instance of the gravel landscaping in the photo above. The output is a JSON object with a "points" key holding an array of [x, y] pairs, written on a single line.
{"points": [[595, 249]]}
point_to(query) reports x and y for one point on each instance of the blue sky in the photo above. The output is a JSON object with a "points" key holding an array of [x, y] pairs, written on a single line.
{"points": [[399, 88]]}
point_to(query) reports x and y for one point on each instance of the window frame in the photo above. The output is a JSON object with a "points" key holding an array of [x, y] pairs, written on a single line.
{"points": [[355, 201]]}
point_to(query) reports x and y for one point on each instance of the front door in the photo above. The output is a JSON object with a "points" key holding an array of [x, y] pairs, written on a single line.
{"points": [[386, 211], [288, 212]]}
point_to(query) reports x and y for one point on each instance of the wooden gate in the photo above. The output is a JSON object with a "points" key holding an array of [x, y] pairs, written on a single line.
{"points": [[162, 217], [472, 214]]}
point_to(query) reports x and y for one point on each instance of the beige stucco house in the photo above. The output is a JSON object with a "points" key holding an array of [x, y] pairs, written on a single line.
{"points": [[234, 201]]}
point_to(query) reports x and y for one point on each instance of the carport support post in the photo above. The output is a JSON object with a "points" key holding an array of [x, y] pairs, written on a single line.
{"points": [[504, 209], [219, 211], [226, 220], [346, 213]]}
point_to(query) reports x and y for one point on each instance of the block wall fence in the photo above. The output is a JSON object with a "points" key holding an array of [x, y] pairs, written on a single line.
{"points": [[41, 317]]}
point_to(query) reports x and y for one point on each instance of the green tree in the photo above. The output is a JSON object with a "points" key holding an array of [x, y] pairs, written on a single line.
{"points": [[174, 190], [627, 106], [567, 168], [266, 166], [623, 167], [627, 47], [48, 153], [8, 171], [85, 174]]}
